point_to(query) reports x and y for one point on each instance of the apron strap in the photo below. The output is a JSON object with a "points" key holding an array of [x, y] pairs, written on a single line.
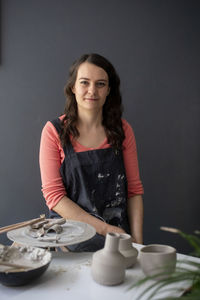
{"points": [[69, 150]]}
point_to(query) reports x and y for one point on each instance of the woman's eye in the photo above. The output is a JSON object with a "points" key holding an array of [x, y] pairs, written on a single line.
{"points": [[84, 82], [100, 84]]}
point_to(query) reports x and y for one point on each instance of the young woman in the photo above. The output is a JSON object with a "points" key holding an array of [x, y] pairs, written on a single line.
{"points": [[88, 156]]}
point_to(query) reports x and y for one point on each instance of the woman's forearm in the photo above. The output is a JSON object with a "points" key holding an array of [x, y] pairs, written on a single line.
{"points": [[135, 215], [70, 210]]}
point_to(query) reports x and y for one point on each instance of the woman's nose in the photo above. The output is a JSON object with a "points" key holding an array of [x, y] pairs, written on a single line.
{"points": [[92, 89]]}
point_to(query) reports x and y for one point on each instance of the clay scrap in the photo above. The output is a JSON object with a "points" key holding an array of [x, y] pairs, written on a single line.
{"points": [[20, 258], [47, 230]]}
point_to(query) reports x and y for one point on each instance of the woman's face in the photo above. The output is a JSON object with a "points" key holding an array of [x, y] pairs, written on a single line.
{"points": [[91, 87]]}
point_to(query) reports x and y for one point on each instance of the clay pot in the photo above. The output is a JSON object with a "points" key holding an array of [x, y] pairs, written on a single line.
{"points": [[108, 264], [157, 259], [127, 250]]}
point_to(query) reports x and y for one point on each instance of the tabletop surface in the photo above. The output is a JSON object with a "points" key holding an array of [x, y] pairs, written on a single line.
{"points": [[69, 277]]}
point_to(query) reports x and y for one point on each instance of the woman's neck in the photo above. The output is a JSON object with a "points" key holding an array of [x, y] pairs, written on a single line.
{"points": [[89, 120], [91, 131]]}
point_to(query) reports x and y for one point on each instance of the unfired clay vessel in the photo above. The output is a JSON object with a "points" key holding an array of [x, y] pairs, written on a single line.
{"points": [[108, 264], [127, 250], [155, 259]]}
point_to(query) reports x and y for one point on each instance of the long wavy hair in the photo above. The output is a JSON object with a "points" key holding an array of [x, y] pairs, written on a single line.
{"points": [[112, 109]]}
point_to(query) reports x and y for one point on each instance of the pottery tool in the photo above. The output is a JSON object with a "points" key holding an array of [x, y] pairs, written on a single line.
{"points": [[13, 266], [21, 224]]}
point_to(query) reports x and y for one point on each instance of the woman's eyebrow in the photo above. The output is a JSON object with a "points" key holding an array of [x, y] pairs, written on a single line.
{"points": [[85, 78]]}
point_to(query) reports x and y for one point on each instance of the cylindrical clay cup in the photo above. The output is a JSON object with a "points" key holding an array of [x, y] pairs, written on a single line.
{"points": [[157, 259], [127, 250], [108, 264]]}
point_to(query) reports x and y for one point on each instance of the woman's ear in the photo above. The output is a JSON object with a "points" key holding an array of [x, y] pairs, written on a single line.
{"points": [[108, 91], [72, 89]]}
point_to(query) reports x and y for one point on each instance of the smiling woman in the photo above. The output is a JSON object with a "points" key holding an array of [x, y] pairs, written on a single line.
{"points": [[88, 156], [91, 89]]}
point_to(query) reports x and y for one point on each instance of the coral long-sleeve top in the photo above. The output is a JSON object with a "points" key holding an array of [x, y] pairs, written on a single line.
{"points": [[52, 156]]}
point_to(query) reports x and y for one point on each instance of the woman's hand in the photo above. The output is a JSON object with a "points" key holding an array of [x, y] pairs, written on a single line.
{"points": [[119, 230], [114, 229], [70, 210]]}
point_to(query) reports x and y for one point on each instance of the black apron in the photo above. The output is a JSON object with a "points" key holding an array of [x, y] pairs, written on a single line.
{"points": [[96, 181]]}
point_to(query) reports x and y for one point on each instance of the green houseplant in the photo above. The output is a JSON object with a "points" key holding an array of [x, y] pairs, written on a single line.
{"points": [[186, 270]]}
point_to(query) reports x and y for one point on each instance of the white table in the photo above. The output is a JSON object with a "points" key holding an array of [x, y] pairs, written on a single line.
{"points": [[69, 277]]}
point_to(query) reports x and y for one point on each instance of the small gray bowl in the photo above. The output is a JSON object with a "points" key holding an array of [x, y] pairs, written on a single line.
{"points": [[158, 259], [35, 262]]}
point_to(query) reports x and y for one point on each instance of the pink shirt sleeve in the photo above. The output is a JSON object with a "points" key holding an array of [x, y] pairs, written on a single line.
{"points": [[135, 186], [52, 155], [50, 159]]}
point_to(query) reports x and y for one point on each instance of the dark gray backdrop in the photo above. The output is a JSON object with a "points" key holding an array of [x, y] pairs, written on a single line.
{"points": [[155, 48]]}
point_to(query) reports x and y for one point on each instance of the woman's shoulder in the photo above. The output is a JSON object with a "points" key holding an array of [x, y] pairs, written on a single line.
{"points": [[61, 117], [49, 128], [58, 118], [127, 127], [49, 123]]}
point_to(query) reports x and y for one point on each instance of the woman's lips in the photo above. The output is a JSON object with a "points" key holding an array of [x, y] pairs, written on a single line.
{"points": [[91, 99]]}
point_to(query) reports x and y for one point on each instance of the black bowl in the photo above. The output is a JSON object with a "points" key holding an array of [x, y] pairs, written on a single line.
{"points": [[17, 278]]}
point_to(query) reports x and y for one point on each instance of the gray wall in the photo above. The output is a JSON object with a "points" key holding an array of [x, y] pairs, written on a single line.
{"points": [[155, 48]]}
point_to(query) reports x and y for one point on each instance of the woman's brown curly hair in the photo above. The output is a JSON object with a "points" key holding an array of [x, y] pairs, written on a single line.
{"points": [[112, 109]]}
